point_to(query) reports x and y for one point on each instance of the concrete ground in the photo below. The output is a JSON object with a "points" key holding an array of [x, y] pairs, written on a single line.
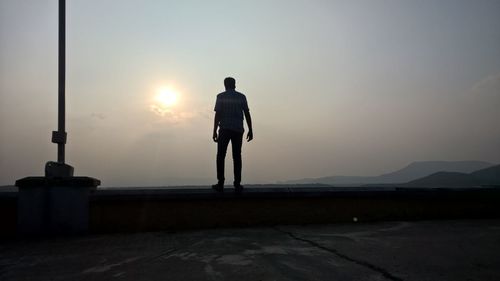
{"points": [[427, 250]]}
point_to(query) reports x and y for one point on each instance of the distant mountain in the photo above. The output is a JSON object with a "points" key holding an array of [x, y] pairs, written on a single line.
{"points": [[488, 176], [411, 172], [420, 169], [445, 179], [8, 188]]}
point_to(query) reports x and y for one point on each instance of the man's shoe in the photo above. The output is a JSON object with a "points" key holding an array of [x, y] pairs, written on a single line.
{"points": [[238, 188], [218, 187]]}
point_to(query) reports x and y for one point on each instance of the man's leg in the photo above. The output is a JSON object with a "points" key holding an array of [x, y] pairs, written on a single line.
{"points": [[236, 142], [222, 144]]}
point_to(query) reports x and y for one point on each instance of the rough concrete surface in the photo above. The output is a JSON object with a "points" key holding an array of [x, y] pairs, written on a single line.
{"points": [[426, 250]]}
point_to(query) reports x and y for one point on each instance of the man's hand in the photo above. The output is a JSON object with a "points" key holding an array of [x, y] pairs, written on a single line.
{"points": [[250, 135], [215, 137]]}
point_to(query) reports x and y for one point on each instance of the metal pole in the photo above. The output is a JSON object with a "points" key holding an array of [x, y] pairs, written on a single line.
{"points": [[61, 130], [59, 168]]}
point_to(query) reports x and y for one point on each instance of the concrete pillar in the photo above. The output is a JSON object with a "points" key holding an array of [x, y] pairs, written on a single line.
{"points": [[52, 206]]}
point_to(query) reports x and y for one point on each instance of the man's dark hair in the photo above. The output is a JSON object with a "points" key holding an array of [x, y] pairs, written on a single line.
{"points": [[230, 83]]}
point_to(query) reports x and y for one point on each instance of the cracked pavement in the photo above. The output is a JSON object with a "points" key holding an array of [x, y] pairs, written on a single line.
{"points": [[426, 250]]}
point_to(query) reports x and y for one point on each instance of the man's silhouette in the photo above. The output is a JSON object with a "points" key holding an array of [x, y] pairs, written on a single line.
{"points": [[229, 110]]}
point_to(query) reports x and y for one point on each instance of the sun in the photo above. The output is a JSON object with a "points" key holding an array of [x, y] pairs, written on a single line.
{"points": [[166, 97], [165, 101]]}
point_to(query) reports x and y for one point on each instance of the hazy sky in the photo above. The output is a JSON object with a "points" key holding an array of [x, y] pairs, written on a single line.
{"points": [[334, 87]]}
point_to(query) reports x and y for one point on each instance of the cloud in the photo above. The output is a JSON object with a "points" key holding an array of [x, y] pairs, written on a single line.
{"points": [[485, 95], [490, 84], [99, 116], [176, 116], [172, 116]]}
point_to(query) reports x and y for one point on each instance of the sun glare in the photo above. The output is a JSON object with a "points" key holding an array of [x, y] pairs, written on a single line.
{"points": [[166, 97], [165, 100]]}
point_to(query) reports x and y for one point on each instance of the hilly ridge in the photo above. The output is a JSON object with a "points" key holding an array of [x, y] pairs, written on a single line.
{"points": [[407, 174], [488, 176]]}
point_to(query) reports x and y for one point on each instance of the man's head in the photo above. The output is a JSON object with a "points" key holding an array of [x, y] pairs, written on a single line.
{"points": [[230, 83]]}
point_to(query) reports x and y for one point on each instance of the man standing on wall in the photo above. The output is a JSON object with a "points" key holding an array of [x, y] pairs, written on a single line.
{"points": [[229, 110]]}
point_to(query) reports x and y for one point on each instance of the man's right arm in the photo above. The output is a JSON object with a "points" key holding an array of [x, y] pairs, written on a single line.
{"points": [[217, 109], [216, 124]]}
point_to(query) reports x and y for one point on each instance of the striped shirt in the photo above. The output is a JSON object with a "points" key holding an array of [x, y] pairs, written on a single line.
{"points": [[230, 106]]}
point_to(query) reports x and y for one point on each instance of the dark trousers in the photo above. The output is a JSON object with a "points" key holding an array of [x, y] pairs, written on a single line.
{"points": [[236, 139]]}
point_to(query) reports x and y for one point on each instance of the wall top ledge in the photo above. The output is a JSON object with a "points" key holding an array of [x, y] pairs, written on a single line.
{"points": [[28, 182], [262, 192], [290, 192]]}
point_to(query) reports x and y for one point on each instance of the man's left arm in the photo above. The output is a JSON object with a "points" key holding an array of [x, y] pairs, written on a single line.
{"points": [[246, 111], [249, 123]]}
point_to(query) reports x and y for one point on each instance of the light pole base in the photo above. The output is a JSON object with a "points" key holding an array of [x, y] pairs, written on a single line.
{"points": [[58, 170], [54, 206]]}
